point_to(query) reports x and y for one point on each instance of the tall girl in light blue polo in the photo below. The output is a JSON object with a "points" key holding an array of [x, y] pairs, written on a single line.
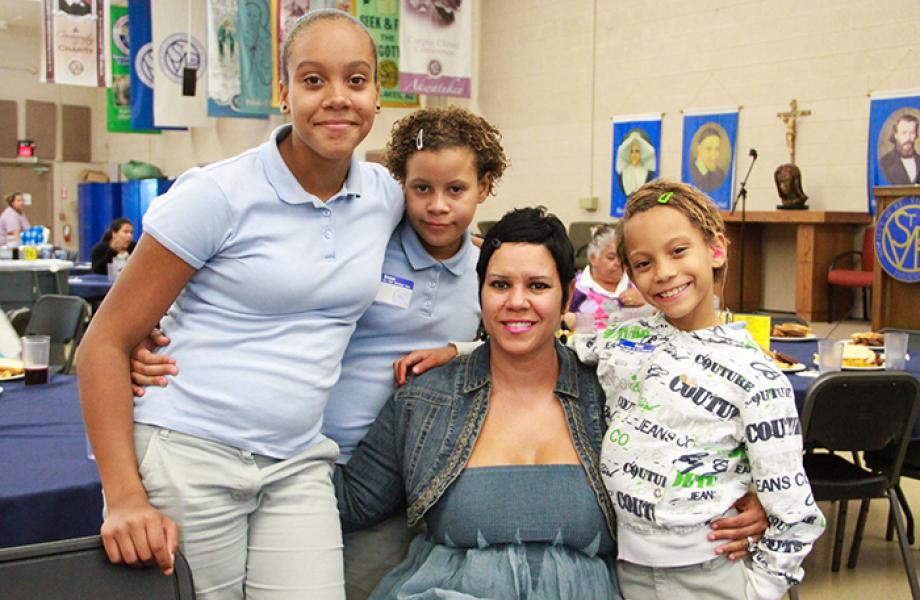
{"points": [[262, 264]]}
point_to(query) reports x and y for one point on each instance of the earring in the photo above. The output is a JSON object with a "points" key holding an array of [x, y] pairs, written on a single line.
{"points": [[284, 107], [378, 108]]}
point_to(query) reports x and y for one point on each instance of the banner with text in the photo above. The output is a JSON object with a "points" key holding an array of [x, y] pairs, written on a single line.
{"points": [[381, 17], [435, 42], [178, 44], [74, 42]]}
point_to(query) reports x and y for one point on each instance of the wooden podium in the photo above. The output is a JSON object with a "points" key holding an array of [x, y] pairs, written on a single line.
{"points": [[894, 303], [820, 236]]}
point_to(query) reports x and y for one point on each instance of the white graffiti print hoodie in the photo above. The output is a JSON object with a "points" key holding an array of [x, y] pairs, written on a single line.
{"points": [[693, 418]]}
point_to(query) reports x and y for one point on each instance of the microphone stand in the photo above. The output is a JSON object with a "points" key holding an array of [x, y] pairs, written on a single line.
{"points": [[741, 197]]}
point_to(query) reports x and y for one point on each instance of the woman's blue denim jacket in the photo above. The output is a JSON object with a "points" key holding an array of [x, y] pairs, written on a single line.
{"points": [[425, 434]]}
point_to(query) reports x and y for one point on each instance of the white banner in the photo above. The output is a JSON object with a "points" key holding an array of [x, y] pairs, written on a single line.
{"points": [[435, 44], [173, 27], [74, 42]]}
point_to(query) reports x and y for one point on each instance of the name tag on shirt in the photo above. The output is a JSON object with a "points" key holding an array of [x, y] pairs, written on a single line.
{"points": [[394, 291], [635, 346]]}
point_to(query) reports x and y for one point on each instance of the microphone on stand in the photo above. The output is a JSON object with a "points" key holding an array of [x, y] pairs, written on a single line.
{"points": [[741, 198]]}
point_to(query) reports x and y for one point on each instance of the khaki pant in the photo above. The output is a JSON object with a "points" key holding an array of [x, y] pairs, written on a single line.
{"points": [[249, 525], [716, 579]]}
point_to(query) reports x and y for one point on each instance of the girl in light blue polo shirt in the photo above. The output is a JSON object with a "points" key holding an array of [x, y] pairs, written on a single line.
{"points": [[262, 264]]}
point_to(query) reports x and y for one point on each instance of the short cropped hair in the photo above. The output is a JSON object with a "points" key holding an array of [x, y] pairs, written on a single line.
{"points": [[531, 226]]}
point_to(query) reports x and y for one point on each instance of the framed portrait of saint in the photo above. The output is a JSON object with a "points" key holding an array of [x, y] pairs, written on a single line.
{"points": [[636, 148], [894, 143], [709, 153]]}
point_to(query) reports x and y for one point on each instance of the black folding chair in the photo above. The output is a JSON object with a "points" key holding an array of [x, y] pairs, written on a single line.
{"points": [[78, 569], [63, 319], [853, 412]]}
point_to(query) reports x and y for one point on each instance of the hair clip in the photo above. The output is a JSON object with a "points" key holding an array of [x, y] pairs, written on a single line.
{"points": [[665, 197], [496, 243], [419, 140]]}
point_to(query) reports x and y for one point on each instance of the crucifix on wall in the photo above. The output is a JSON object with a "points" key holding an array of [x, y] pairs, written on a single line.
{"points": [[788, 177], [789, 118]]}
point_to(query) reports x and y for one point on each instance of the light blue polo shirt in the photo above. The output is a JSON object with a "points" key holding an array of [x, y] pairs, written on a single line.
{"points": [[423, 303], [261, 327]]}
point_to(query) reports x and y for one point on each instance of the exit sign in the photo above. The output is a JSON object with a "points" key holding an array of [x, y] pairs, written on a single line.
{"points": [[25, 148]]}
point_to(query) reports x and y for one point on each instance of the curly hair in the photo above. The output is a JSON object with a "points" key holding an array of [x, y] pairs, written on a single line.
{"points": [[451, 127], [691, 202]]}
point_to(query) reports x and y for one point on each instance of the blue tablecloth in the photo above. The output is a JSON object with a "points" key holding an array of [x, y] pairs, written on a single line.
{"points": [[49, 489], [90, 286], [804, 352]]}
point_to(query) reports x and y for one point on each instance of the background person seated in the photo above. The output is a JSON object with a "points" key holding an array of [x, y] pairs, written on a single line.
{"points": [[118, 240]]}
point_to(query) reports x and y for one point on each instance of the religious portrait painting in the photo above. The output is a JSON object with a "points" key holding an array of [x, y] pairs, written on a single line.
{"points": [[893, 156], [709, 152], [636, 148], [899, 147]]}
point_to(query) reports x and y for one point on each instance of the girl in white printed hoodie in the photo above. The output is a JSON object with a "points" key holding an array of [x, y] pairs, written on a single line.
{"points": [[695, 414]]}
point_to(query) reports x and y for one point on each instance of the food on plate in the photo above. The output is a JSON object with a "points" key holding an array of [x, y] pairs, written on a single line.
{"points": [[867, 338], [10, 368], [793, 330], [782, 360], [860, 357]]}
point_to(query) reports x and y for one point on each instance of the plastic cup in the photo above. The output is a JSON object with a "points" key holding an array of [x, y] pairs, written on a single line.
{"points": [[35, 350], [896, 350], [830, 355]]}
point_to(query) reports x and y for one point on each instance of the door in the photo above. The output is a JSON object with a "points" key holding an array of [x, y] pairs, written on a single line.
{"points": [[34, 179]]}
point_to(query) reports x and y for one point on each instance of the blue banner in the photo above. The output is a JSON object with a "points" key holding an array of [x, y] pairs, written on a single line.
{"points": [[254, 24], [636, 148], [141, 52], [709, 154], [894, 152]]}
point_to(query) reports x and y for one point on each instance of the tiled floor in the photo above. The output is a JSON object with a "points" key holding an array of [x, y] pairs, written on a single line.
{"points": [[880, 571]]}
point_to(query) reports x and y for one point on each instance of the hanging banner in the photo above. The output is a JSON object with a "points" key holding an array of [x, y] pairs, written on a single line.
{"points": [[894, 148], [284, 14], [636, 148], [118, 95], [708, 159], [224, 49], [435, 42], [178, 45], [381, 17], [74, 42], [141, 63], [253, 25]]}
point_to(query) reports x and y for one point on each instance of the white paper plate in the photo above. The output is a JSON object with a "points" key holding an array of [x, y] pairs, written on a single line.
{"points": [[794, 368], [808, 338], [14, 377]]}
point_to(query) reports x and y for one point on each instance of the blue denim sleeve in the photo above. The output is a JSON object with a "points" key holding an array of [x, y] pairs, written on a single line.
{"points": [[370, 487]]}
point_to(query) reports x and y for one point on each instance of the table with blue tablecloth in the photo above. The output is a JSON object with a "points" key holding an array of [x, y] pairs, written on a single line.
{"points": [[805, 351], [90, 286], [49, 489]]}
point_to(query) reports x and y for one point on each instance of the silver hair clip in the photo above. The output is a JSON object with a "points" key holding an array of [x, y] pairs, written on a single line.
{"points": [[419, 140]]}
